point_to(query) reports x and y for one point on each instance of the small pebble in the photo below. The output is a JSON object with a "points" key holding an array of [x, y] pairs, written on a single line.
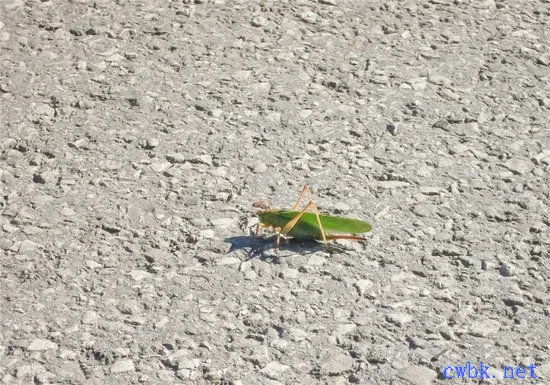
{"points": [[309, 17], [123, 366], [390, 184], [90, 318], [289, 273], [399, 319], [447, 332], [513, 300], [28, 246], [363, 285], [39, 345], [93, 264], [260, 168], [518, 166], [176, 158], [484, 328], [425, 210], [151, 143], [418, 375], [207, 234], [337, 364], [223, 222], [341, 207], [506, 269], [202, 159], [138, 275], [439, 80], [274, 370], [160, 167], [428, 190], [259, 21], [229, 261], [316, 260]]}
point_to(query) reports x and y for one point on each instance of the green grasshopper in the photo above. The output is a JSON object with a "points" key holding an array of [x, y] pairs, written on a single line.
{"points": [[301, 224]]}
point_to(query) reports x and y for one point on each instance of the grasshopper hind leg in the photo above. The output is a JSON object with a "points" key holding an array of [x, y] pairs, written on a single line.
{"points": [[301, 196], [290, 225]]}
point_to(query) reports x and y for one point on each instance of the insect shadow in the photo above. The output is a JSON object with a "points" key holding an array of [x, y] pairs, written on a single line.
{"points": [[263, 248]]}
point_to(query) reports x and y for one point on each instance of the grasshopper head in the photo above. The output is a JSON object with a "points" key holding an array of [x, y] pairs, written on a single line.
{"points": [[265, 214], [261, 205]]}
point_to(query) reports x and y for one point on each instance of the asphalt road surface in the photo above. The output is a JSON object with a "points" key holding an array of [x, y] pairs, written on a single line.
{"points": [[135, 136]]}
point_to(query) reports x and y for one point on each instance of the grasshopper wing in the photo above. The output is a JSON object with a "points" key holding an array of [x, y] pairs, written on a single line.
{"points": [[331, 224], [341, 225]]}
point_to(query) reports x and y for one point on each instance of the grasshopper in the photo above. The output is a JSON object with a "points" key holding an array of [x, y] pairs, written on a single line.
{"points": [[304, 224]]}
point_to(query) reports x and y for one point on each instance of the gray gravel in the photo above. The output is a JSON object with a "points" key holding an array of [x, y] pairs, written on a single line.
{"points": [[135, 135]]}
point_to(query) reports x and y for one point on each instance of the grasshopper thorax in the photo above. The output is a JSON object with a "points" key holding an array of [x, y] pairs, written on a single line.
{"points": [[268, 218]]}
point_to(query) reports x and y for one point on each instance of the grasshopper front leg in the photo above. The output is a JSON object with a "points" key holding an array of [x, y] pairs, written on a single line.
{"points": [[278, 239], [257, 231]]}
